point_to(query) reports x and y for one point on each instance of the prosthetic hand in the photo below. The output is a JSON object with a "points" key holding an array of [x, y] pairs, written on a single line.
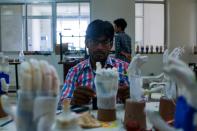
{"points": [[106, 82], [184, 120], [135, 79], [177, 68], [176, 52], [37, 97]]}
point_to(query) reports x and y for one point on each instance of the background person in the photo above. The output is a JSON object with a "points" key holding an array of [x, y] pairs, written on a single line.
{"points": [[122, 40]]}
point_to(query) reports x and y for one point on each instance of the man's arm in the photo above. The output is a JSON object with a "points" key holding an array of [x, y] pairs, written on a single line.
{"points": [[69, 85], [123, 88], [123, 93]]}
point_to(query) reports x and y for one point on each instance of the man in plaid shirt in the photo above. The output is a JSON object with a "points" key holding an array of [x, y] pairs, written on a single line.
{"points": [[79, 83]]}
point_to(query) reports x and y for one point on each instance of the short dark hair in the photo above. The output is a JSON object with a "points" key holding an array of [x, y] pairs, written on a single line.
{"points": [[99, 28], [120, 22]]}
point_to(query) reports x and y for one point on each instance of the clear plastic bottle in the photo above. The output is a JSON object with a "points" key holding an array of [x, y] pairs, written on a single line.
{"points": [[21, 56]]}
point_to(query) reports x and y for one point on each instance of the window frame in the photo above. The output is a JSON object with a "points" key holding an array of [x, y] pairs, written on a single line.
{"points": [[34, 17], [164, 2], [8, 4], [53, 19], [78, 17]]}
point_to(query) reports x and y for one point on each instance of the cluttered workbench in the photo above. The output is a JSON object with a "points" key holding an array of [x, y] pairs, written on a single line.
{"points": [[7, 123]]}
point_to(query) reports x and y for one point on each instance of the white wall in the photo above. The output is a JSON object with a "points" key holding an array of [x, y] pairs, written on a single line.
{"points": [[182, 26]]}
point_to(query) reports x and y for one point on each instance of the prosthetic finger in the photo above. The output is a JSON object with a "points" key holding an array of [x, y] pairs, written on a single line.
{"points": [[46, 75], [187, 76], [55, 81], [26, 77], [36, 74]]}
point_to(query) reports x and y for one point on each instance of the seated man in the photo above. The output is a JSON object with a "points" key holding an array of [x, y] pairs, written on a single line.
{"points": [[79, 83]]}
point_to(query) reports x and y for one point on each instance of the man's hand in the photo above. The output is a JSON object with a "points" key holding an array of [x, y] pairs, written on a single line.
{"points": [[127, 55], [82, 96], [123, 93]]}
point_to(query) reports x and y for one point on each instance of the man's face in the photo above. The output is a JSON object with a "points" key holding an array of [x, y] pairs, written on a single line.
{"points": [[99, 49]]}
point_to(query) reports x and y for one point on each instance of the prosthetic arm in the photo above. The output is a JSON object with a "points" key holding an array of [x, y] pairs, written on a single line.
{"points": [[37, 97], [187, 91], [135, 79]]}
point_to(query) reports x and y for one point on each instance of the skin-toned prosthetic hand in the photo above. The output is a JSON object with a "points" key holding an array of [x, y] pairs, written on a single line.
{"points": [[186, 106], [37, 96], [82, 96]]}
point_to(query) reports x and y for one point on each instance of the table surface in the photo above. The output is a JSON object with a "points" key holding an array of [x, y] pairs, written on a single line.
{"points": [[106, 126]]}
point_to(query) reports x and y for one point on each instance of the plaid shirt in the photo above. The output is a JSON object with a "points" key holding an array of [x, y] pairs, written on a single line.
{"points": [[83, 75]]}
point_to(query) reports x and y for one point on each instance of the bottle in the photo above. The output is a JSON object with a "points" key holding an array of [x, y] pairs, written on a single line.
{"points": [[142, 49], [151, 49], [147, 49], [157, 49], [161, 49], [21, 56], [137, 49]]}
